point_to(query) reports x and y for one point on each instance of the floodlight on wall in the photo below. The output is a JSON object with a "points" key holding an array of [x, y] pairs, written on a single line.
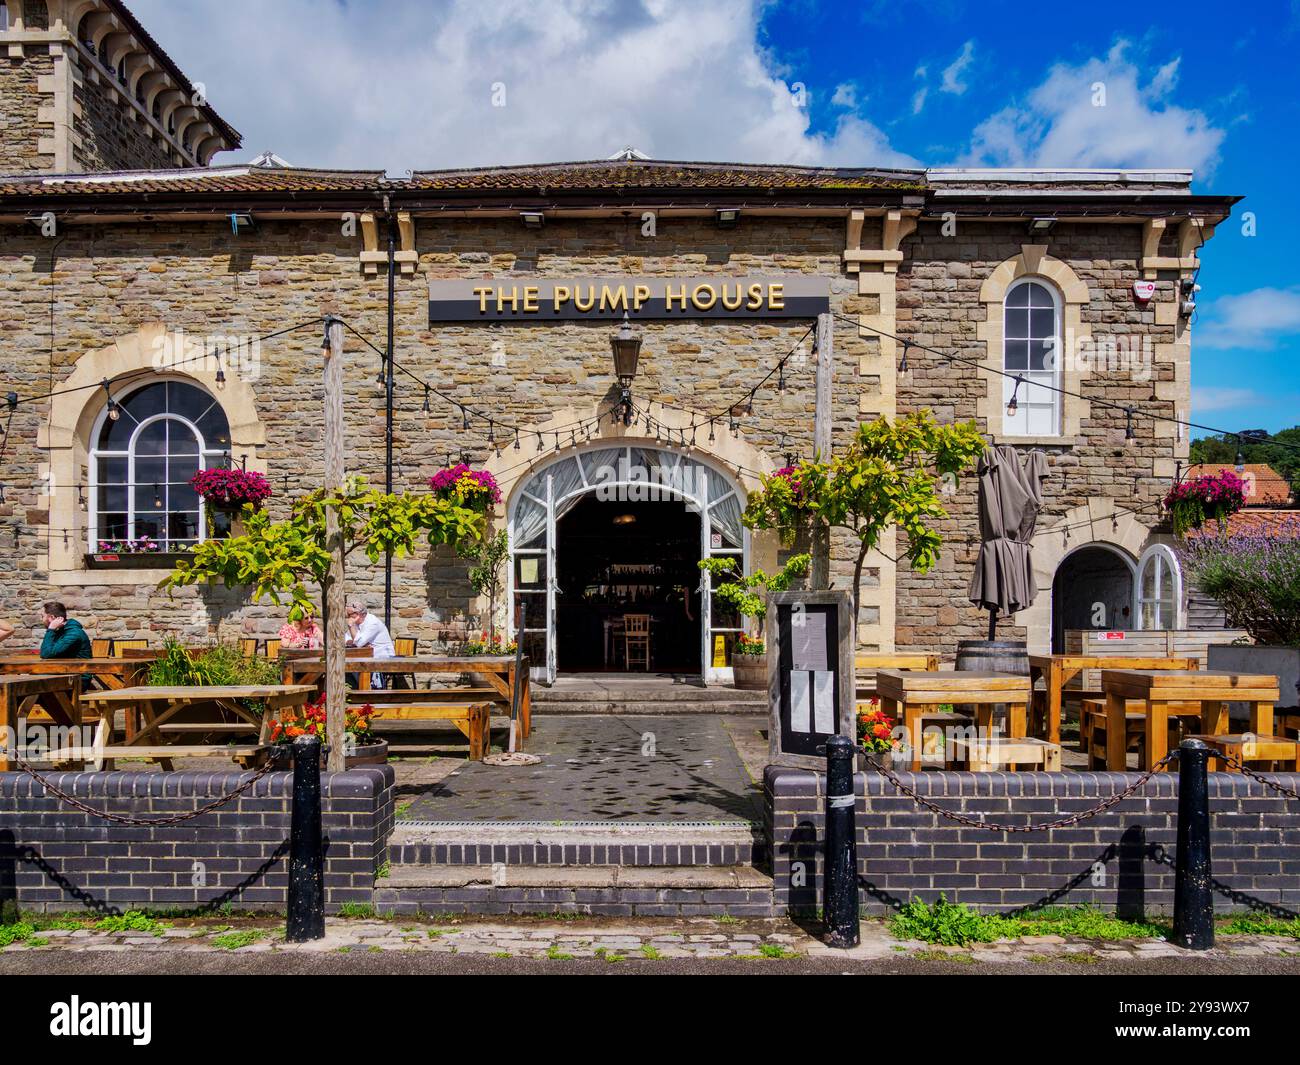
{"points": [[1041, 226], [727, 216], [532, 219], [242, 221]]}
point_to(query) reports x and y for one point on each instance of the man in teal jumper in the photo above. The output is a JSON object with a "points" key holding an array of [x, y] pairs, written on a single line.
{"points": [[64, 636]]}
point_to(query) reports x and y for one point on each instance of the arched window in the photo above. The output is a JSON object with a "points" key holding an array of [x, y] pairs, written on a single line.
{"points": [[4, 17], [1031, 351], [142, 462], [1160, 588]]}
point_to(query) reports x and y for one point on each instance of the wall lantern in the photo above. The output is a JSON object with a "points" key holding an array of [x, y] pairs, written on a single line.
{"points": [[532, 219], [1041, 226], [727, 216], [626, 347]]}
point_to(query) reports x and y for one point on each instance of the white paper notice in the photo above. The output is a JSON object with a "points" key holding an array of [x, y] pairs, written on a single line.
{"points": [[528, 571], [824, 702], [808, 642], [800, 702]]}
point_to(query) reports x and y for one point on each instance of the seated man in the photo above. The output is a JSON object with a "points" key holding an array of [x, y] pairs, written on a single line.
{"points": [[366, 630], [64, 636]]}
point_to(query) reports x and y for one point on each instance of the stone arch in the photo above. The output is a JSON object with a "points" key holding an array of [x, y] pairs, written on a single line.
{"points": [[1033, 261], [65, 434], [1099, 521]]}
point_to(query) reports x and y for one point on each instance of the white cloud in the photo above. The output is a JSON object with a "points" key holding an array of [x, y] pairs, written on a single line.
{"points": [[1254, 320], [846, 95], [409, 84], [952, 73], [1207, 399], [1061, 124]]}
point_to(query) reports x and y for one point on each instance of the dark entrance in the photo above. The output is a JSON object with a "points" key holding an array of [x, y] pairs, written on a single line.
{"points": [[615, 559], [1092, 589]]}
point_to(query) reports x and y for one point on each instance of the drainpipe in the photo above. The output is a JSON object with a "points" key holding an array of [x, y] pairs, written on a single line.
{"points": [[388, 409]]}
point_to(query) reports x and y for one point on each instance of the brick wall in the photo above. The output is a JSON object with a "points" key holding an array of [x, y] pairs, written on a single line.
{"points": [[1122, 858], [53, 857]]}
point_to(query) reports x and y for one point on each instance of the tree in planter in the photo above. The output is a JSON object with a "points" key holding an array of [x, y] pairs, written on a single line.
{"points": [[889, 476], [749, 594], [486, 557]]}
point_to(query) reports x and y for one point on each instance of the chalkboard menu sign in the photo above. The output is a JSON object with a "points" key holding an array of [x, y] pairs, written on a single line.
{"points": [[810, 669]]}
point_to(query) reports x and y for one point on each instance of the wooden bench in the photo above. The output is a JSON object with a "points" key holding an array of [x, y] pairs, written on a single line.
{"points": [[983, 755], [35, 697], [1246, 748], [1092, 725], [472, 719]]}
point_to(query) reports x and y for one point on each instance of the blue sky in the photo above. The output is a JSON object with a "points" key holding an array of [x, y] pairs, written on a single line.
{"points": [[417, 84]]}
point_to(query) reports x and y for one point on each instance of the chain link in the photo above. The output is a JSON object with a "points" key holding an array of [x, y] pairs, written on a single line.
{"points": [[993, 826], [121, 819], [1246, 770]]}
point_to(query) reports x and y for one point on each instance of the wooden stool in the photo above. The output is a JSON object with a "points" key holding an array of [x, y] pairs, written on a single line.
{"points": [[985, 755], [1248, 748], [1092, 716]]}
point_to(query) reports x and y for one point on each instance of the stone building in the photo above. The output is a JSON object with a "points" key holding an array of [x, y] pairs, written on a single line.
{"points": [[168, 285]]}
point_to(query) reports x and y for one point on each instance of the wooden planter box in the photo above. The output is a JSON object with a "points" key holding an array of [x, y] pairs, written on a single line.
{"points": [[135, 560]]}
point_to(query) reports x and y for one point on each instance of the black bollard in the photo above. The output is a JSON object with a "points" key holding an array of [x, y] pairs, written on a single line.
{"points": [[1193, 901], [840, 892], [306, 910]]}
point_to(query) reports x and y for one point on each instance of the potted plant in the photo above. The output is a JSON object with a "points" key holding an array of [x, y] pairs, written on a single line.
{"points": [[474, 489], [748, 595], [230, 490], [876, 733], [1212, 497], [1256, 579], [141, 553], [361, 746]]}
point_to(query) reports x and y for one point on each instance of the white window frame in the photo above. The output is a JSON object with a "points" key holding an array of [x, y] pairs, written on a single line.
{"points": [[1165, 561], [208, 457], [1029, 392], [539, 487]]}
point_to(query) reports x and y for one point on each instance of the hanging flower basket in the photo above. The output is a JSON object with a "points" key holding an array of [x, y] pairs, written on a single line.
{"points": [[1213, 497], [230, 490], [475, 489]]}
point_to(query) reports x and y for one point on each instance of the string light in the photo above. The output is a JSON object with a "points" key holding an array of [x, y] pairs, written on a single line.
{"points": [[426, 400], [516, 439], [113, 412], [1129, 434], [1241, 459], [902, 365], [1011, 405]]}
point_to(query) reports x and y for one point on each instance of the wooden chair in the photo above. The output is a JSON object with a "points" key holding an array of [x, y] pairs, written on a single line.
{"points": [[1092, 729], [1282, 753], [120, 647], [636, 638], [101, 648], [403, 647], [273, 649], [248, 646]]}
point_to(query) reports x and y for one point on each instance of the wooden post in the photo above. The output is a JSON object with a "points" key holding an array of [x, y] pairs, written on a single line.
{"points": [[821, 534], [335, 621]]}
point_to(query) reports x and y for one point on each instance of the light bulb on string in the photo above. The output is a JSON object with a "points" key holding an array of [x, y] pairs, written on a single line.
{"points": [[902, 365], [1129, 434], [1241, 458], [711, 436], [113, 412], [1012, 406], [516, 439], [491, 432], [539, 442], [464, 418], [425, 408]]}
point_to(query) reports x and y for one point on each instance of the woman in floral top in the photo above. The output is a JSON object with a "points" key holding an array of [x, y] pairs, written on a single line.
{"points": [[304, 635]]}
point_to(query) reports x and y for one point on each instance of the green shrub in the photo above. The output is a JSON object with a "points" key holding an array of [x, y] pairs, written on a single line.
{"points": [[950, 925]]}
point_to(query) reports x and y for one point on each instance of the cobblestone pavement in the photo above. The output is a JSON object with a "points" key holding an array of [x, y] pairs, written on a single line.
{"points": [[683, 767], [617, 940]]}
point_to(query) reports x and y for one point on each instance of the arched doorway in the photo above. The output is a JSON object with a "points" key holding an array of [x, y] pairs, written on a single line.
{"points": [[602, 532], [1092, 589]]}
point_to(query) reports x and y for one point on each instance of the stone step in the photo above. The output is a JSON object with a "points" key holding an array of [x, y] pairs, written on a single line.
{"points": [[612, 890], [675, 693], [575, 844]]}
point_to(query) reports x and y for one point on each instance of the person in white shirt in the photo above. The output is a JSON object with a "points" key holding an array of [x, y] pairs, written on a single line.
{"points": [[366, 630]]}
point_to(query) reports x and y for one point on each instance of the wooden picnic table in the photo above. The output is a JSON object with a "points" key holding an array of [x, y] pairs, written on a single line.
{"points": [[872, 663], [1057, 671], [1155, 690], [912, 694], [110, 672], [498, 670], [157, 707], [21, 694]]}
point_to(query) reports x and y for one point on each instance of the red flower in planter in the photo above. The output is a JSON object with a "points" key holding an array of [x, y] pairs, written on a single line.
{"points": [[231, 487]]}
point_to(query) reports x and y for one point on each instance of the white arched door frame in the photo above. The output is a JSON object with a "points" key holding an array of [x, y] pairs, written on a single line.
{"points": [[540, 488]]}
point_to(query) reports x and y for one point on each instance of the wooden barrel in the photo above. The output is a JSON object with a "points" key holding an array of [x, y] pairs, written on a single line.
{"points": [[993, 656]]}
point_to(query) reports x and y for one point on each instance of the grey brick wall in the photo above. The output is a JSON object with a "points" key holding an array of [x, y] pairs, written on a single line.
{"points": [[1121, 859], [53, 857]]}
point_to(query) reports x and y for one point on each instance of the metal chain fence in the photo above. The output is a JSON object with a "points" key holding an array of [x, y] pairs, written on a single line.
{"points": [[993, 826], [121, 819], [1247, 771]]}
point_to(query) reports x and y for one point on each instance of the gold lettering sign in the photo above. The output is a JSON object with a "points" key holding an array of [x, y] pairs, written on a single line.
{"points": [[710, 296]]}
